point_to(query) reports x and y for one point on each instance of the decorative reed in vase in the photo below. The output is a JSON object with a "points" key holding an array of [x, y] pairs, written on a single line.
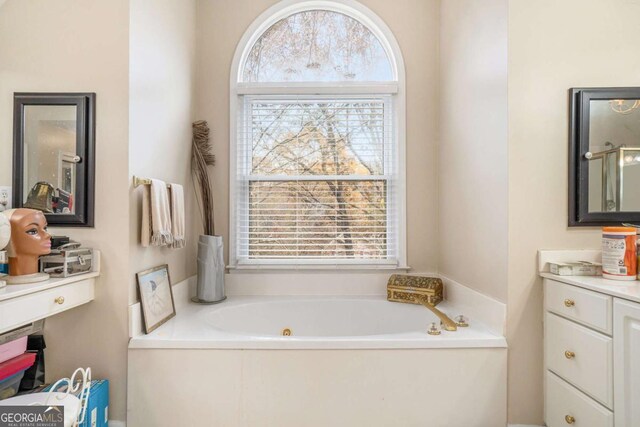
{"points": [[210, 289]]}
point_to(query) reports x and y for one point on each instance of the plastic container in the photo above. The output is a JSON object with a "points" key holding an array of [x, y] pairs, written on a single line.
{"points": [[619, 253], [9, 386], [15, 365], [638, 251], [13, 349]]}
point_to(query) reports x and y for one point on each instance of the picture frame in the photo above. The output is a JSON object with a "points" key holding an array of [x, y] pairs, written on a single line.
{"points": [[156, 297]]}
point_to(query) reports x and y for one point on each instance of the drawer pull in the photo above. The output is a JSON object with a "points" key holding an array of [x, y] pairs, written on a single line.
{"points": [[569, 354], [569, 419], [569, 302], [59, 300]]}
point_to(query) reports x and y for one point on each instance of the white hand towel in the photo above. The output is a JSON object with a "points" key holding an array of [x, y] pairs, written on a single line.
{"points": [[177, 216], [145, 232], [156, 215]]}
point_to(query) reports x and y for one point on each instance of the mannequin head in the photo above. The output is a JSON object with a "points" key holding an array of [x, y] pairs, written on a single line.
{"points": [[29, 240]]}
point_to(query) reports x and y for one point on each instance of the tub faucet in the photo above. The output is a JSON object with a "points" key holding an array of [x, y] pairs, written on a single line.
{"points": [[447, 323]]}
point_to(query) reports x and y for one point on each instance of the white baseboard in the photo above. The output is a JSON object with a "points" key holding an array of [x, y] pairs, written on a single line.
{"points": [[513, 425], [113, 423]]}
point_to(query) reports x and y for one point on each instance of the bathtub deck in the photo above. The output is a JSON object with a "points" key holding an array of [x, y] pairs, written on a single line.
{"points": [[189, 330]]}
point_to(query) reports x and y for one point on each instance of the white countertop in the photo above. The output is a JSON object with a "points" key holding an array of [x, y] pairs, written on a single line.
{"points": [[620, 289], [14, 291]]}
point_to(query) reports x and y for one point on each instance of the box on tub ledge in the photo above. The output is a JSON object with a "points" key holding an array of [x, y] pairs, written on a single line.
{"points": [[23, 304], [315, 360], [592, 345]]}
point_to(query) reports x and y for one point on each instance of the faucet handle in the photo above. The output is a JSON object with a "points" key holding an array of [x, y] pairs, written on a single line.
{"points": [[434, 329], [461, 321]]}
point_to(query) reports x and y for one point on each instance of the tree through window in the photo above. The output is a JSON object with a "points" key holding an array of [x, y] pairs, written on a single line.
{"points": [[317, 170], [317, 45]]}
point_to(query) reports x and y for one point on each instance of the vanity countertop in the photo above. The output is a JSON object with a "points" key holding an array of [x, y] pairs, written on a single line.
{"points": [[14, 291], [620, 289]]}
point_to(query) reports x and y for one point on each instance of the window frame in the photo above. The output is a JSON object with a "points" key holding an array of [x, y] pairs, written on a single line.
{"points": [[240, 91]]}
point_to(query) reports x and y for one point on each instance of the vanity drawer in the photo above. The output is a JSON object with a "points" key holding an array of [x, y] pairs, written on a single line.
{"points": [[589, 308], [581, 356], [564, 406], [21, 310]]}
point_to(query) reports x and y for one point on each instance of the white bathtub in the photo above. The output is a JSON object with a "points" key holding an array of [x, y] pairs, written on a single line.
{"points": [[350, 361], [321, 322]]}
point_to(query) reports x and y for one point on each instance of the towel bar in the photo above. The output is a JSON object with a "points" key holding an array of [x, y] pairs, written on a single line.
{"points": [[137, 182]]}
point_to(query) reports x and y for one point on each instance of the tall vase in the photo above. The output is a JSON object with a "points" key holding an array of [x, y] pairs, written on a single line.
{"points": [[210, 289]]}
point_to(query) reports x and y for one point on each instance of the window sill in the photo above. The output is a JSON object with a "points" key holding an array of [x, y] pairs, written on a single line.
{"points": [[338, 268]]}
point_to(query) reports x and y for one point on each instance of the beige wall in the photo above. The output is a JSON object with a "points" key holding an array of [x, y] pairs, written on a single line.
{"points": [[67, 46], [162, 74], [85, 46], [221, 24], [472, 165], [553, 46]]}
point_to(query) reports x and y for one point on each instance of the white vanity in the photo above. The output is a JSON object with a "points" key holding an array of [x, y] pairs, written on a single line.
{"points": [[23, 304], [592, 351]]}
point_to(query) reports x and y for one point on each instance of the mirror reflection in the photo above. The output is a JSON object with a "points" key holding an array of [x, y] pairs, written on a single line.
{"points": [[614, 155], [50, 158]]}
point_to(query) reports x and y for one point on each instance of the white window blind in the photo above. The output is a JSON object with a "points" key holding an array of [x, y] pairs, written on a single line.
{"points": [[317, 148], [315, 181]]}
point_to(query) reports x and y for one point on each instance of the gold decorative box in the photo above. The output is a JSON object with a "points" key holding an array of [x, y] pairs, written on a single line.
{"points": [[405, 288]]}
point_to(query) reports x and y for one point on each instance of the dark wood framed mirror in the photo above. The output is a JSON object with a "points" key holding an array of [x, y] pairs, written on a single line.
{"points": [[54, 156], [604, 156]]}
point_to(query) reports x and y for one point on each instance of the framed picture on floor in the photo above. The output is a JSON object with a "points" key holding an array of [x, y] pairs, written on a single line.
{"points": [[156, 297]]}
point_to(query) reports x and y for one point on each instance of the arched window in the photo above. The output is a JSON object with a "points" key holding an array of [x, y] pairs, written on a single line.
{"points": [[317, 116]]}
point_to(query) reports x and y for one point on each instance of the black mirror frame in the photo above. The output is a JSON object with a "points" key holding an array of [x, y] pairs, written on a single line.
{"points": [[85, 148], [579, 101]]}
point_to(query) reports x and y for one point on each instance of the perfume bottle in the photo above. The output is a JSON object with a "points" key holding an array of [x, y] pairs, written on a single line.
{"points": [[4, 263]]}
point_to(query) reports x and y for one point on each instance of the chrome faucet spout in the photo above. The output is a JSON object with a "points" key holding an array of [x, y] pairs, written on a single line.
{"points": [[447, 323]]}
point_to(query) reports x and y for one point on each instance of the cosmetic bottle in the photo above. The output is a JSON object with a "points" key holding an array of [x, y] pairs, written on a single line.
{"points": [[4, 263]]}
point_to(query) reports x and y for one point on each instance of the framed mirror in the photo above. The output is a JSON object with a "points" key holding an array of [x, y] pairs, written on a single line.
{"points": [[54, 156], [604, 156]]}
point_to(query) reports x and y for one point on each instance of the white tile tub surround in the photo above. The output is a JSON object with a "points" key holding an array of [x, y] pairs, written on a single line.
{"points": [[246, 388], [317, 322], [239, 373], [487, 312]]}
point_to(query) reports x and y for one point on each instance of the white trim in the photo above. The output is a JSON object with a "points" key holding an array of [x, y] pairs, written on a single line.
{"points": [[321, 265], [114, 423], [320, 88], [389, 43]]}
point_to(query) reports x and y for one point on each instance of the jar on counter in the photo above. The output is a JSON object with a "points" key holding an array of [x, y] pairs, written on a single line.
{"points": [[620, 253]]}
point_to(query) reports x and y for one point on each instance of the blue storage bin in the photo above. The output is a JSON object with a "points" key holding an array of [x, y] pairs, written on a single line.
{"points": [[97, 414]]}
